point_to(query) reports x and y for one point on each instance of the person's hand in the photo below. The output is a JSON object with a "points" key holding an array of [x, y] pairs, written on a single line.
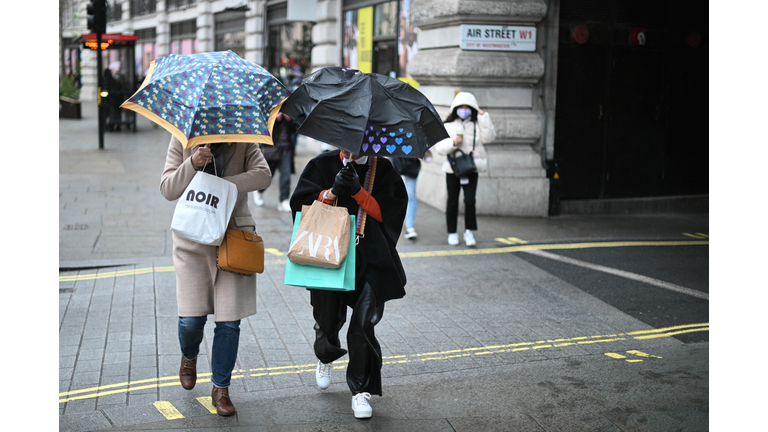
{"points": [[338, 184], [202, 156], [350, 179], [481, 112], [457, 141], [347, 182]]}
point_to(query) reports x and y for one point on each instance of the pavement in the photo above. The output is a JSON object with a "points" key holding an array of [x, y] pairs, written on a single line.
{"points": [[483, 340]]}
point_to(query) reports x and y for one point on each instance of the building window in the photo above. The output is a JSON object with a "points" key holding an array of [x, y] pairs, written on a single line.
{"points": [[184, 37], [378, 38], [172, 5], [114, 10], [385, 19], [289, 46], [230, 32], [146, 51], [143, 7]]}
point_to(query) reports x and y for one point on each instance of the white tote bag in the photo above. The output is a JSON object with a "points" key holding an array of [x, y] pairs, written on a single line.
{"points": [[202, 213]]}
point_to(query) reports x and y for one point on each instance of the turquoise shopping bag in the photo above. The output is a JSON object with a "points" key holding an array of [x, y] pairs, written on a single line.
{"points": [[341, 279]]}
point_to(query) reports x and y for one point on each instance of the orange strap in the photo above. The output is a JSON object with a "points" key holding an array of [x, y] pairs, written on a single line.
{"points": [[369, 204]]}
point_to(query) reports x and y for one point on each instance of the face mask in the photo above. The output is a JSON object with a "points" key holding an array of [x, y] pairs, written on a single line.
{"points": [[463, 112]]}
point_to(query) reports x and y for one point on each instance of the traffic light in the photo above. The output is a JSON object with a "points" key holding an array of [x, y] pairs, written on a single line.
{"points": [[97, 16]]}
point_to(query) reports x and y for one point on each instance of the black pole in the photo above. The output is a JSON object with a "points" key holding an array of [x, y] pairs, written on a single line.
{"points": [[100, 83]]}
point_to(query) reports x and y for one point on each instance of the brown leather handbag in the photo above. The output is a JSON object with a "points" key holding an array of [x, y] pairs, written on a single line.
{"points": [[241, 252]]}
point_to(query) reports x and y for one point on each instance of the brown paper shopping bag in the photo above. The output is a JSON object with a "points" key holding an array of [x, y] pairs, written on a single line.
{"points": [[322, 239]]}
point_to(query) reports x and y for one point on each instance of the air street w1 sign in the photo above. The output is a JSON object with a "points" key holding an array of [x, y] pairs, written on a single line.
{"points": [[497, 38]]}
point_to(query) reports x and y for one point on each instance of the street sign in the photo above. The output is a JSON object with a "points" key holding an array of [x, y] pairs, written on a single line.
{"points": [[498, 38]]}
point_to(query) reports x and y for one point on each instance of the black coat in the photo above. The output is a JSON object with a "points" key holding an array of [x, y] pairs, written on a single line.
{"points": [[378, 262]]}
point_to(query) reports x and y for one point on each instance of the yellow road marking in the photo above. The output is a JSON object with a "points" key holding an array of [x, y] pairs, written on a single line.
{"points": [[425, 254], [642, 354], [633, 352], [397, 359], [274, 251], [207, 403], [168, 410], [510, 240], [697, 235]]}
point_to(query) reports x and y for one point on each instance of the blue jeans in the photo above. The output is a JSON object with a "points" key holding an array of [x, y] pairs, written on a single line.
{"points": [[283, 166], [285, 174], [226, 339], [410, 213]]}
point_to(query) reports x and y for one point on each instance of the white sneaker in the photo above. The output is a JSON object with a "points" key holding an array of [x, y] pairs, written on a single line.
{"points": [[323, 375], [469, 239], [453, 239], [410, 233], [257, 199], [284, 206], [360, 405]]}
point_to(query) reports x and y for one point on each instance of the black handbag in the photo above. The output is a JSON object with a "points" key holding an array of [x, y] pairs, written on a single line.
{"points": [[463, 163]]}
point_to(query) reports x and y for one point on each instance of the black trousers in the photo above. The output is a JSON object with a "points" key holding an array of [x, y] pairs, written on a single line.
{"points": [[454, 186], [330, 312]]}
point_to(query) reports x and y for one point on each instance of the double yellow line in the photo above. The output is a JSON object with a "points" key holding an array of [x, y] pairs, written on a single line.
{"points": [[399, 359], [425, 254]]}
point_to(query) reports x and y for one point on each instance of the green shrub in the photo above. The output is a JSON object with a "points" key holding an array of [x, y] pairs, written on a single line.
{"points": [[68, 87]]}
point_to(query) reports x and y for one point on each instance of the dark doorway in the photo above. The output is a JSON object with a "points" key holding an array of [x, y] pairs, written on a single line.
{"points": [[384, 56], [632, 99]]}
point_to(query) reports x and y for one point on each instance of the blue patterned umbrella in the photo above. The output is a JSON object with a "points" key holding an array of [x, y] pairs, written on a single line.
{"points": [[210, 97]]}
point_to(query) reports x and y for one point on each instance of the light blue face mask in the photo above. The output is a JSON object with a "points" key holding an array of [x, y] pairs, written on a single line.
{"points": [[463, 112]]}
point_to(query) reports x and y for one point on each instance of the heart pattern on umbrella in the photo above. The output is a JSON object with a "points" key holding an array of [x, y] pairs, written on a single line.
{"points": [[366, 114], [400, 147]]}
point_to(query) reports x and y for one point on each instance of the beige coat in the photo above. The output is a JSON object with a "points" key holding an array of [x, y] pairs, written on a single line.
{"points": [[201, 288]]}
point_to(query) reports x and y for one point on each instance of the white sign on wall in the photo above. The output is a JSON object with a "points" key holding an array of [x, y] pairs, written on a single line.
{"points": [[497, 38]]}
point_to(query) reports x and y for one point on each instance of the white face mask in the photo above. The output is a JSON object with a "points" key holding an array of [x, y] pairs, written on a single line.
{"points": [[463, 112]]}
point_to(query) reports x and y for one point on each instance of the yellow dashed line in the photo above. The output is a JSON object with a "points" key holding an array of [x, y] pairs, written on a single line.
{"points": [[642, 354], [697, 235], [398, 359], [168, 410], [207, 403]]}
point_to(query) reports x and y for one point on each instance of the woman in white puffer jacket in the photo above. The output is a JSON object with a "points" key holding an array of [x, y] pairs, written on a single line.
{"points": [[468, 128]]}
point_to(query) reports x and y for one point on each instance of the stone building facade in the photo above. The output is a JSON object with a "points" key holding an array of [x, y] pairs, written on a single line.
{"points": [[425, 41]]}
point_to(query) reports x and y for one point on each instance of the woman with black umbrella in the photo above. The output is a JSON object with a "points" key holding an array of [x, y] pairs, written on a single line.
{"points": [[370, 188]]}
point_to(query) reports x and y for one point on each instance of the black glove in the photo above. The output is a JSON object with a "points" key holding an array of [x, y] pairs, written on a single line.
{"points": [[338, 184], [347, 182]]}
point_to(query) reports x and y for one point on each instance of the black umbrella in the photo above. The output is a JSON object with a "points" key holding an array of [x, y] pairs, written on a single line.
{"points": [[365, 113]]}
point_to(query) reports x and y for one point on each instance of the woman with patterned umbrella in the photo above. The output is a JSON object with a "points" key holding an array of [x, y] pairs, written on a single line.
{"points": [[218, 107]]}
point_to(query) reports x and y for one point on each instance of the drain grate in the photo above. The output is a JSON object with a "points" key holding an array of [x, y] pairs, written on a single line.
{"points": [[66, 290], [75, 227]]}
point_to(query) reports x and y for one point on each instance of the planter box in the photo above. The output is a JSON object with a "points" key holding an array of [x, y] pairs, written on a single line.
{"points": [[69, 108]]}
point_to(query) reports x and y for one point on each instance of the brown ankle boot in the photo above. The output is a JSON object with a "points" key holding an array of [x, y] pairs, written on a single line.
{"points": [[220, 399], [188, 373]]}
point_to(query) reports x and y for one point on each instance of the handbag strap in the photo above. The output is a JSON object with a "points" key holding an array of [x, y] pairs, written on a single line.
{"points": [[474, 137], [362, 215]]}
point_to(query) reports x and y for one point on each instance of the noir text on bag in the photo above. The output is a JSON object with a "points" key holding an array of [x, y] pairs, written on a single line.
{"points": [[209, 199]]}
